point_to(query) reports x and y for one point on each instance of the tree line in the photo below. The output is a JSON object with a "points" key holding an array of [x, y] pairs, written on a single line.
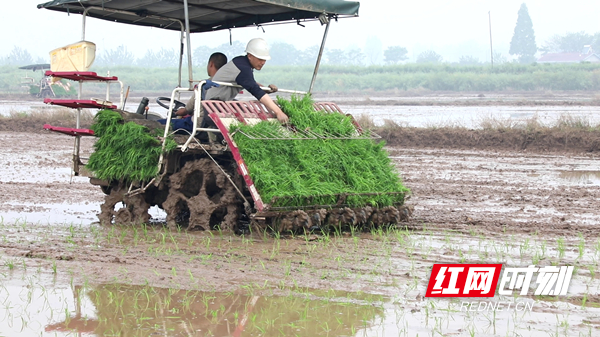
{"points": [[522, 45], [349, 79]]}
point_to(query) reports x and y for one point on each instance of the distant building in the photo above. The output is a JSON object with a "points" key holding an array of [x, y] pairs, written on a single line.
{"points": [[586, 55]]}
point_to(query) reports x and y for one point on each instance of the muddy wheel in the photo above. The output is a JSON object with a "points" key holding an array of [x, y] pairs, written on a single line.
{"points": [[202, 193], [134, 210], [106, 189]]}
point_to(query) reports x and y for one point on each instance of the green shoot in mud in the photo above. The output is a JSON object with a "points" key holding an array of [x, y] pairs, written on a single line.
{"points": [[124, 151], [301, 172]]}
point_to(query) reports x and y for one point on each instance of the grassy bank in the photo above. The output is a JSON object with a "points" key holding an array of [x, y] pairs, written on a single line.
{"points": [[377, 78]]}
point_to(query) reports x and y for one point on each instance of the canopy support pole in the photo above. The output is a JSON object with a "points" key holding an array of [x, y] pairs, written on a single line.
{"points": [[314, 78], [189, 47], [84, 15], [181, 55]]}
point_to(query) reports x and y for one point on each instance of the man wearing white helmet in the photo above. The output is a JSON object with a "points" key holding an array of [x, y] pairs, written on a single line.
{"points": [[240, 71]]}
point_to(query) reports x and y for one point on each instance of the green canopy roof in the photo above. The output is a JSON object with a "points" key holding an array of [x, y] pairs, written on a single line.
{"points": [[205, 15]]}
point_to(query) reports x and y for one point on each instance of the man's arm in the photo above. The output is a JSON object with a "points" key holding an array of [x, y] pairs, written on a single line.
{"points": [[188, 109], [268, 102], [246, 79]]}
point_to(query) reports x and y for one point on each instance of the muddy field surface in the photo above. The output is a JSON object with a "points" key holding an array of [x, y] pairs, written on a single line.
{"points": [[61, 273]]}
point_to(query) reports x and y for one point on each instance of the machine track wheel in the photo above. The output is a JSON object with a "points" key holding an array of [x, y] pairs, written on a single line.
{"points": [[339, 218], [134, 210], [201, 190], [295, 221], [385, 216]]}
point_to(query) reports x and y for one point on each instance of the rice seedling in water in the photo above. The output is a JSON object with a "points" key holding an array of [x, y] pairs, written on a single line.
{"points": [[560, 247]]}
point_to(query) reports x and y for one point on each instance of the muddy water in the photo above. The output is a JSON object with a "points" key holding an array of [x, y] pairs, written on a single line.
{"points": [[472, 116], [50, 308], [406, 115], [35, 303]]}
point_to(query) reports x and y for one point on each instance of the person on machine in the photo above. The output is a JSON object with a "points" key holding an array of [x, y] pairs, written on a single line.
{"points": [[240, 71], [215, 62]]}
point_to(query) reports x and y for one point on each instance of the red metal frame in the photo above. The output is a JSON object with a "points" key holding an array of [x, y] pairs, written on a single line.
{"points": [[328, 107], [223, 109], [242, 168], [239, 110], [78, 103], [69, 131], [251, 109], [332, 107], [80, 75]]}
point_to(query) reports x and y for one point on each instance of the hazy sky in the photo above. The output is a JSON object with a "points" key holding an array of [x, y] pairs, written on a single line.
{"points": [[451, 28]]}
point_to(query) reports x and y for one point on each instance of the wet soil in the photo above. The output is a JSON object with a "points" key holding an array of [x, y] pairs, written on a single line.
{"points": [[535, 140], [489, 204]]}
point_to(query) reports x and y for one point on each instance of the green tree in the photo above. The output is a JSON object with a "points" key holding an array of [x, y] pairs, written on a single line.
{"points": [[499, 58], [18, 57], [160, 59], [336, 56], [283, 54], [523, 40], [119, 56], [568, 43], [468, 60], [354, 56], [308, 56], [429, 56], [200, 56], [395, 54], [232, 50], [596, 42]]}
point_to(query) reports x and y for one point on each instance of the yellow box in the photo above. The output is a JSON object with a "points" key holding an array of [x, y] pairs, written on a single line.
{"points": [[78, 56]]}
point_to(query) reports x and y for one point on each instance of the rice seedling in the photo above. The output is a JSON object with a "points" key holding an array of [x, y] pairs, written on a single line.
{"points": [[592, 269], [299, 172], [560, 242], [124, 151], [10, 264], [581, 246]]}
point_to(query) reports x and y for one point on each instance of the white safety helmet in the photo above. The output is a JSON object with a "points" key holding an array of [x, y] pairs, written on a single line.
{"points": [[258, 48]]}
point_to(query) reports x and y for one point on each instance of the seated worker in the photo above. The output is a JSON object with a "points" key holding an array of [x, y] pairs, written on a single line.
{"points": [[215, 62], [240, 71]]}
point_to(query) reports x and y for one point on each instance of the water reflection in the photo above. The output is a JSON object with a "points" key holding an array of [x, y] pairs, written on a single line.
{"points": [[127, 310]]}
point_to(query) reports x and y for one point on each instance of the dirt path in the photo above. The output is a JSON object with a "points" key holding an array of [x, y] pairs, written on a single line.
{"points": [[515, 208]]}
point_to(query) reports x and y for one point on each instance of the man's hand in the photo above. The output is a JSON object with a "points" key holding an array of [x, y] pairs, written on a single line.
{"points": [[273, 88], [271, 106], [281, 117]]}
